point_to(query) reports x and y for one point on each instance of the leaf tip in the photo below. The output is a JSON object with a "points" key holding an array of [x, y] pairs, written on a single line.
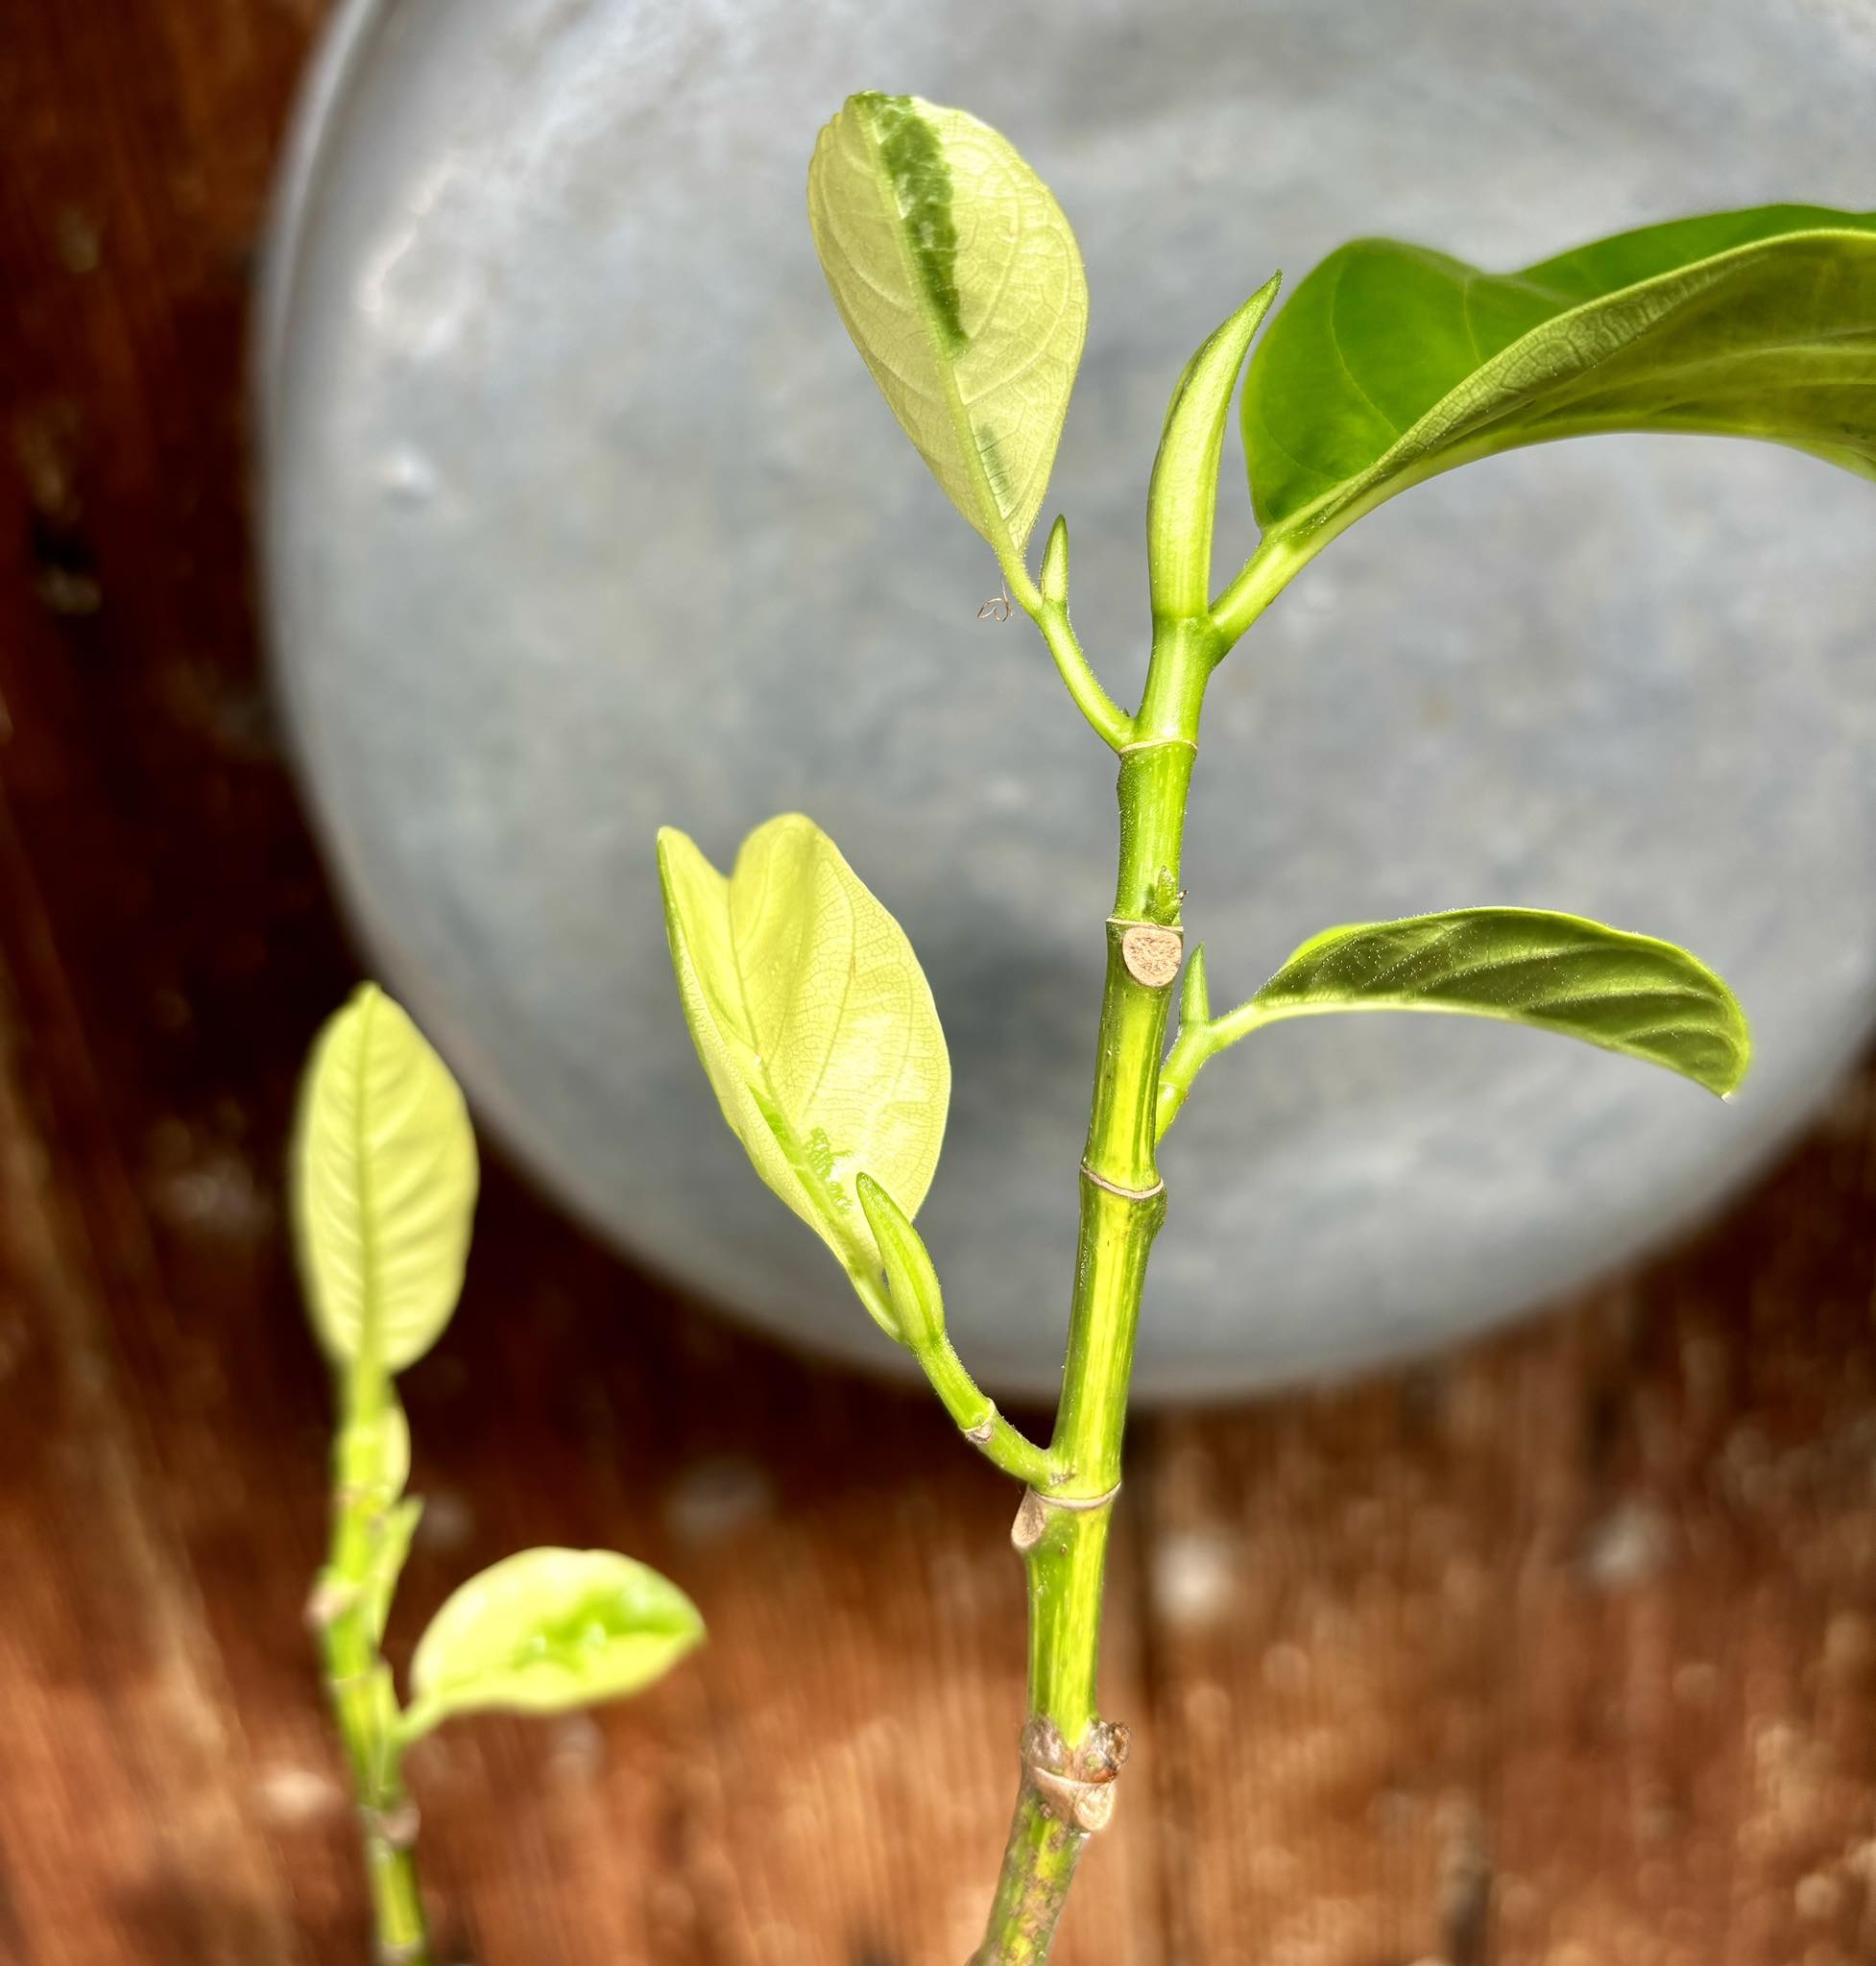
{"points": [[1728, 1087]]}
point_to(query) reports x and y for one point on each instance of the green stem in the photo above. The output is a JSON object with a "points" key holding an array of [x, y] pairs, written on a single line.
{"points": [[358, 1683], [1069, 1754], [1050, 611], [977, 1416]]}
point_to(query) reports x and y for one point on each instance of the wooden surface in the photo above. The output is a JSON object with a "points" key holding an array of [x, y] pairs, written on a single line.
{"points": [[1561, 1653]]}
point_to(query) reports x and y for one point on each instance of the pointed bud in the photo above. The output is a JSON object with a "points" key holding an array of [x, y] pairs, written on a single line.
{"points": [[918, 1304], [1183, 499], [1055, 566]]}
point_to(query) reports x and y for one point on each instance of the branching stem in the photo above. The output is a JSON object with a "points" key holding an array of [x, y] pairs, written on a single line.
{"points": [[1050, 614], [1263, 577], [977, 1418], [1062, 1529], [1122, 1205]]}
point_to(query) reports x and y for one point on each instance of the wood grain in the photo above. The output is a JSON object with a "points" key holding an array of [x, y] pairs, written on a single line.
{"points": [[1560, 1651]]}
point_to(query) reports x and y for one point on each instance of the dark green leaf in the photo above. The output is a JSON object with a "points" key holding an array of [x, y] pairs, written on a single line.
{"points": [[1625, 993], [1393, 362]]}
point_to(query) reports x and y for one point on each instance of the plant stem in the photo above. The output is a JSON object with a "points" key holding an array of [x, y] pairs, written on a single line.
{"points": [[358, 1683], [1039, 1866], [1107, 719], [1069, 1754]]}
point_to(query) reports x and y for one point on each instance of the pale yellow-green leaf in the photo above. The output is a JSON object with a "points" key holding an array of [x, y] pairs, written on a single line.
{"points": [[546, 1630], [815, 1026], [383, 1187], [961, 283]]}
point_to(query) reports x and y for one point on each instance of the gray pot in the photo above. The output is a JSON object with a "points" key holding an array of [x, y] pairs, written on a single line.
{"points": [[581, 515]]}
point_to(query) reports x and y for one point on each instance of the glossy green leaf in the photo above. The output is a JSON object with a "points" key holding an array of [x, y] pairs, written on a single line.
{"points": [[1393, 362], [961, 283], [815, 1026], [383, 1187], [1624, 993], [546, 1630]]}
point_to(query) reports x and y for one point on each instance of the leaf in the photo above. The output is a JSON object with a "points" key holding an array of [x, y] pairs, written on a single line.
{"points": [[961, 283], [383, 1187], [546, 1630], [1393, 362], [1625, 993], [1632, 993], [815, 1026]]}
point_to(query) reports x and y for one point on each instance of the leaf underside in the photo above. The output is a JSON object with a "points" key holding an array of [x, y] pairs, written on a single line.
{"points": [[961, 284], [546, 1630], [1393, 362], [813, 1021], [384, 1186], [1630, 994]]}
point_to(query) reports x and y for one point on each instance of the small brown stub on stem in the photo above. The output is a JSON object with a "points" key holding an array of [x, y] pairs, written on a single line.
{"points": [[1078, 1789], [330, 1599], [1152, 955], [1031, 1519]]}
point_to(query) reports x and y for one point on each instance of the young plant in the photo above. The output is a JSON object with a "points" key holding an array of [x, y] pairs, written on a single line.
{"points": [[384, 1184], [959, 279]]}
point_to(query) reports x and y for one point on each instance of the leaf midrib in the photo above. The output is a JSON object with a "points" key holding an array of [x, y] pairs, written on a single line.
{"points": [[371, 1349], [1348, 491], [769, 1101], [956, 407]]}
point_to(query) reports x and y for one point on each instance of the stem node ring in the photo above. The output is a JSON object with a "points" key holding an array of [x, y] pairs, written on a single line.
{"points": [[1126, 1194], [396, 1827]]}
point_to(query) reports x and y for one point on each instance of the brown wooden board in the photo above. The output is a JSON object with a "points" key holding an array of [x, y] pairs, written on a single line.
{"points": [[1558, 1652]]}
